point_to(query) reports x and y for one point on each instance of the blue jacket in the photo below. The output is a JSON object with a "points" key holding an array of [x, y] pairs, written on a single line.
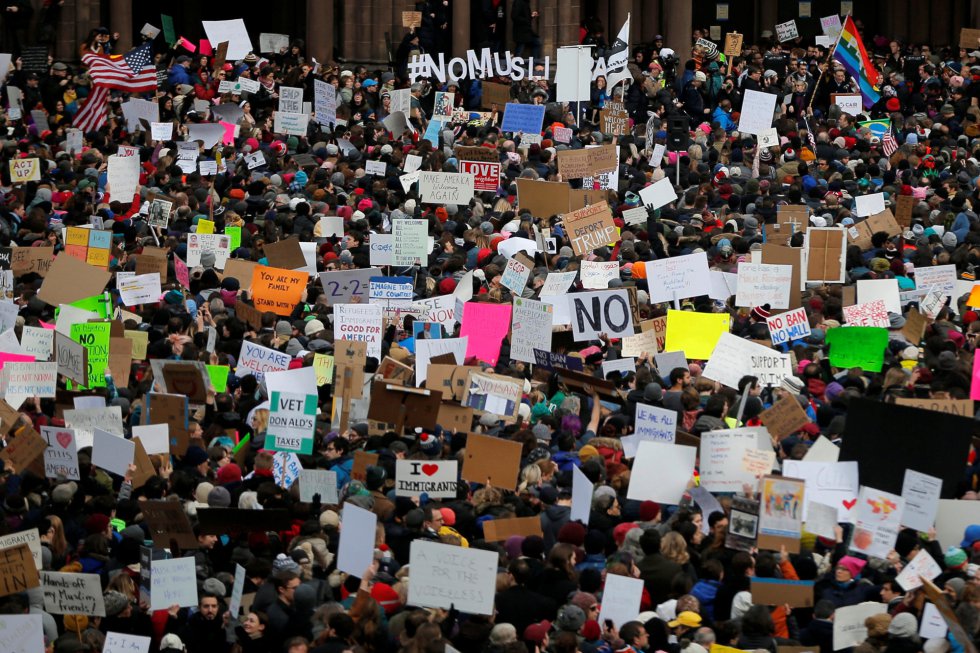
{"points": [[178, 75], [343, 468], [705, 592], [724, 119]]}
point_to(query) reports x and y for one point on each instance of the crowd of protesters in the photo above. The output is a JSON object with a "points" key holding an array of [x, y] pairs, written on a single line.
{"points": [[549, 587]]}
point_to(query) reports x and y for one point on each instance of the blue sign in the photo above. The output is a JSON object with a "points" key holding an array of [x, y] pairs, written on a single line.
{"points": [[432, 132], [550, 360], [525, 118]]}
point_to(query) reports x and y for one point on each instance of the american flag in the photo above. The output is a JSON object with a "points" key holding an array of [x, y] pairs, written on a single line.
{"points": [[133, 72], [888, 143], [93, 113], [809, 135]]}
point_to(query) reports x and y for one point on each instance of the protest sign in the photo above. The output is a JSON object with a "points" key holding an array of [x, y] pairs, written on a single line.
{"points": [[24, 170], [485, 326], [784, 417], [595, 313], [921, 495], [596, 275], [849, 103], [410, 240], [343, 286], [436, 478], [486, 176], [17, 570], [762, 283], [696, 334], [449, 576], [111, 452], [886, 290], [678, 277], [61, 454], [781, 519], [360, 323], [492, 461], [620, 599], [857, 346], [830, 483], [446, 187], [22, 381], [125, 643], [522, 118], [173, 582], [654, 423], [658, 194], [743, 523], [356, 551], [786, 31], [257, 360], [667, 470], [516, 273], [590, 228], [825, 254], [21, 633], [69, 593], [30, 538], [292, 422], [903, 441], [530, 328], [757, 112], [922, 565], [318, 481], [877, 522], [277, 290], [721, 457], [792, 325]]}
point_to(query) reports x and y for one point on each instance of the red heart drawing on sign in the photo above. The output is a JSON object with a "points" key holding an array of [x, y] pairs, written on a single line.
{"points": [[64, 439], [429, 470], [849, 504]]}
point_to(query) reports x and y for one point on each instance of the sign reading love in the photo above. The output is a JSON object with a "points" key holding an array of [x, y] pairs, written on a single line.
{"points": [[437, 479]]}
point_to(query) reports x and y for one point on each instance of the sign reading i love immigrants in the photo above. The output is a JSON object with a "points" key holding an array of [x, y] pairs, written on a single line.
{"points": [[436, 478]]}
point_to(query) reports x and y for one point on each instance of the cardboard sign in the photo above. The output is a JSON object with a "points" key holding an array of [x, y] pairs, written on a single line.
{"points": [[969, 38], [168, 523], [543, 198], [860, 234], [614, 119], [17, 570], [497, 530], [362, 460], [825, 255], [69, 280], [575, 164], [733, 44], [790, 219], [492, 461], [590, 228], [785, 417], [778, 591], [903, 209], [961, 407]]}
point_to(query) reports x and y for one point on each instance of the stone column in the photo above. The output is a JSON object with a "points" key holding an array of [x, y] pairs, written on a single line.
{"points": [[677, 33], [461, 28], [620, 9], [768, 15], [319, 30], [121, 15], [647, 12]]}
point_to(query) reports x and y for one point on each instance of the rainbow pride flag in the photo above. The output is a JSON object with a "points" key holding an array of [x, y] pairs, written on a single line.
{"points": [[851, 54]]}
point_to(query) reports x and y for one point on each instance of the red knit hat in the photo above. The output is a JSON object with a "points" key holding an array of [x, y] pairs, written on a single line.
{"points": [[761, 312]]}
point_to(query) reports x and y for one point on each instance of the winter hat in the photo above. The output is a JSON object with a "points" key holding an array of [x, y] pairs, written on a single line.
{"points": [[583, 600], [970, 535], [955, 557], [430, 444], [903, 625], [537, 632], [214, 586], [761, 313], [219, 498], [852, 565], [649, 510], [196, 455], [591, 631], [312, 327], [570, 618], [230, 473], [171, 641], [115, 602], [283, 564]]}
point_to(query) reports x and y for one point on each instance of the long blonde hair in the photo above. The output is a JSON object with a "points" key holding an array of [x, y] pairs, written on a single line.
{"points": [[674, 548], [58, 543]]}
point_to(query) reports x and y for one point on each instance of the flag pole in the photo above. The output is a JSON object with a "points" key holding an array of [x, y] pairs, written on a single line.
{"points": [[830, 56]]}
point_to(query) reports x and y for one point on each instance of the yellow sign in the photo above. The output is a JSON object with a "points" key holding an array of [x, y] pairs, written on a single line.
{"points": [[323, 365], [205, 226], [696, 334]]}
